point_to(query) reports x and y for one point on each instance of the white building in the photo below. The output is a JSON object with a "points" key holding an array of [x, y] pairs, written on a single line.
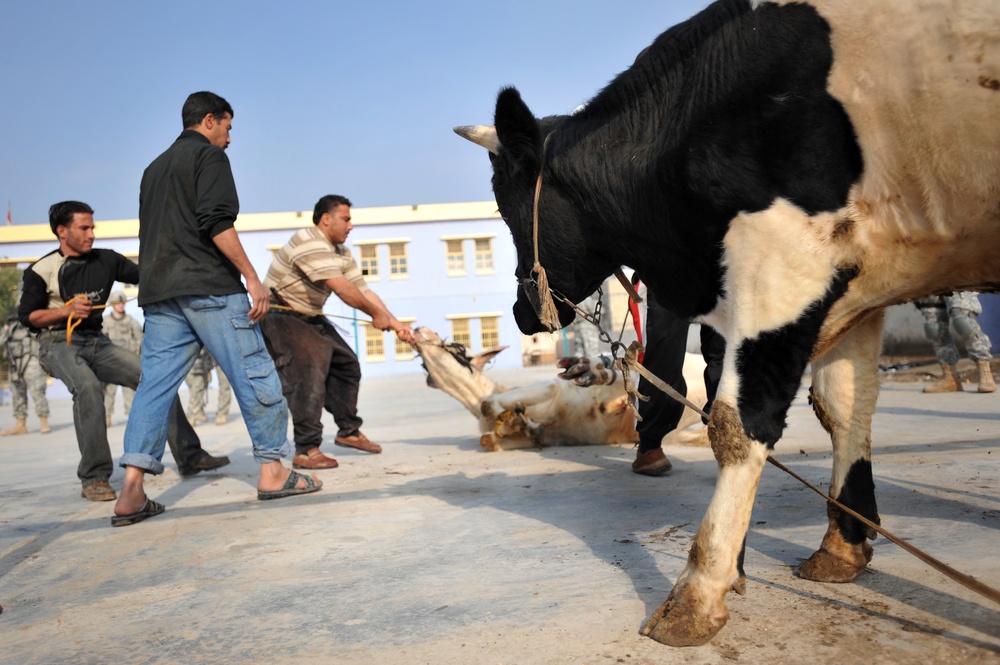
{"points": [[449, 267]]}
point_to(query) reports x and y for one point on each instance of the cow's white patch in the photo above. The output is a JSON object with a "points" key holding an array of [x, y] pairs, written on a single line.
{"points": [[728, 517], [778, 262]]}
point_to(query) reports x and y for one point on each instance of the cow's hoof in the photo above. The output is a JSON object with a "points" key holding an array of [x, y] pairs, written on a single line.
{"points": [[679, 623], [740, 585], [823, 566]]}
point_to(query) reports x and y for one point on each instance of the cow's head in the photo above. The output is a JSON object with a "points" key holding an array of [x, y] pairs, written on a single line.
{"points": [[520, 147]]}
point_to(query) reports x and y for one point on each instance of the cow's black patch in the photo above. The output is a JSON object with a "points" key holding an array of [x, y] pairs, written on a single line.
{"points": [[721, 114], [858, 494], [771, 366], [740, 559]]}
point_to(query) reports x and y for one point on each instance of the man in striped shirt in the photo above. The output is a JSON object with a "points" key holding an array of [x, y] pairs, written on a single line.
{"points": [[317, 367]]}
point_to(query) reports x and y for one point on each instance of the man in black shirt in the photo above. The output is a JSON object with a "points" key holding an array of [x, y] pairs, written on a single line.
{"points": [[192, 296], [61, 293]]}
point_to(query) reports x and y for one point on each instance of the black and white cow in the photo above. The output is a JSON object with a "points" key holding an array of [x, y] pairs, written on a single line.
{"points": [[782, 171]]}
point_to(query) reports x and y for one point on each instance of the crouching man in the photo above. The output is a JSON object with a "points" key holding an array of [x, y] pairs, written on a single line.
{"points": [[70, 282]]}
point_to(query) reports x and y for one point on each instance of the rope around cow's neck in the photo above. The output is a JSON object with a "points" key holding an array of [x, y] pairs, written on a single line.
{"points": [[548, 316]]}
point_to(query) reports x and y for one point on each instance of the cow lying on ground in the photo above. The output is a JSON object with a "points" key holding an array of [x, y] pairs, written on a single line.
{"points": [[782, 171], [548, 413]]}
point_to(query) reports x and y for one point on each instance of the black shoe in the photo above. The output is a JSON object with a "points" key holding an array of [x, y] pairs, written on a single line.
{"points": [[204, 463]]}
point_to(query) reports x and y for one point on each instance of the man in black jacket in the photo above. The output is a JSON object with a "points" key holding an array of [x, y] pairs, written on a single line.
{"points": [[192, 295], [62, 291]]}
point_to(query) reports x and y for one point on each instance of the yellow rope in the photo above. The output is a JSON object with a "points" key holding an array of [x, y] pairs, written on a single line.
{"points": [[71, 325]]}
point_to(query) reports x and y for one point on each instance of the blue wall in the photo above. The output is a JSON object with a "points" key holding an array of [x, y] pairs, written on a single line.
{"points": [[990, 319]]}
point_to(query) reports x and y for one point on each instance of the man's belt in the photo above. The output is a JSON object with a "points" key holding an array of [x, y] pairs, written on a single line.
{"points": [[282, 308]]}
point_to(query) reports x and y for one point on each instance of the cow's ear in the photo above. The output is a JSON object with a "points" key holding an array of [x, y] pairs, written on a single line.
{"points": [[480, 360], [517, 127]]}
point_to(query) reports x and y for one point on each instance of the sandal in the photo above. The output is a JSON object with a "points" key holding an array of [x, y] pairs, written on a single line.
{"points": [[149, 509], [290, 488]]}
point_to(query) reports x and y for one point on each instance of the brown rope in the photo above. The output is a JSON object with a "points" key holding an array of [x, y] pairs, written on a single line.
{"points": [[628, 286], [548, 315], [963, 579]]}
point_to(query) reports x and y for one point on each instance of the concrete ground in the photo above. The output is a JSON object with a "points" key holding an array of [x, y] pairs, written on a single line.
{"points": [[436, 552]]}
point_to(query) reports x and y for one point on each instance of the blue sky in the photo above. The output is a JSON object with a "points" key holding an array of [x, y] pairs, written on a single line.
{"points": [[351, 98]]}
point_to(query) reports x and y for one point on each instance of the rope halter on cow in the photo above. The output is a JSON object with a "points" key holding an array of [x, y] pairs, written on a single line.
{"points": [[546, 310], [542, 298]]}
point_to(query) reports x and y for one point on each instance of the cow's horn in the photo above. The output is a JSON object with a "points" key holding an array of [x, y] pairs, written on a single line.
{"points": [[483, 135]]}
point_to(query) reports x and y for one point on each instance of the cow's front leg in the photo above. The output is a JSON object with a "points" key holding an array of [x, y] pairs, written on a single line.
{"points": [[843, 395], [696, 609], [770, 372], [781, 282]]}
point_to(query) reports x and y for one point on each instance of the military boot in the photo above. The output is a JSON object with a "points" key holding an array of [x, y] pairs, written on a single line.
{"points": [[949, 383], [986, 382], [20, 428], [43, 422]]}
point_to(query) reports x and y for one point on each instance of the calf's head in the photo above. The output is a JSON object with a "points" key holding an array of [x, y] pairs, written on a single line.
{"points": [[451, 369]]}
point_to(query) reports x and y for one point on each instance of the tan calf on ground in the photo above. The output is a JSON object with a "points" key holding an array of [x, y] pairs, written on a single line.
{"points": [[547, 413]]}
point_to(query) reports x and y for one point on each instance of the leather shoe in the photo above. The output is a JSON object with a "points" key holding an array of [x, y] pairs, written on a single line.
{"points": [[204, 463], [359, 441], [99, 490], [651, 463], [314, 459]]}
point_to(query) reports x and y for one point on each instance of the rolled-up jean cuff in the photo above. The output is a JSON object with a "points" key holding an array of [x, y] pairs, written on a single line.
{"points": [[147, 463], [265, 455]]}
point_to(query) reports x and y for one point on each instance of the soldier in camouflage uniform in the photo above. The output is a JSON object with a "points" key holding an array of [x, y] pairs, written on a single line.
{"points": [[26, 375], [197, 381], [958, 311], [126, 332]]}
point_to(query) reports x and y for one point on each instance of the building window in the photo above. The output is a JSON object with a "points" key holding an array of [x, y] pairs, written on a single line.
{"points": [[403, 349], [369, 261], [398, 266], [456, 257], [374, 344], [484, 256], [490, 329], [460, 332]]}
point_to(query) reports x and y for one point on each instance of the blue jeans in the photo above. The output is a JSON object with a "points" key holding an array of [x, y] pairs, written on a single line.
{"points": [[176, 329]]}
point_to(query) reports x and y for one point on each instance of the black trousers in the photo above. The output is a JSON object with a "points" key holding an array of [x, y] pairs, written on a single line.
{"points": [[666, 342], [84, 366], [318, 370]]}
